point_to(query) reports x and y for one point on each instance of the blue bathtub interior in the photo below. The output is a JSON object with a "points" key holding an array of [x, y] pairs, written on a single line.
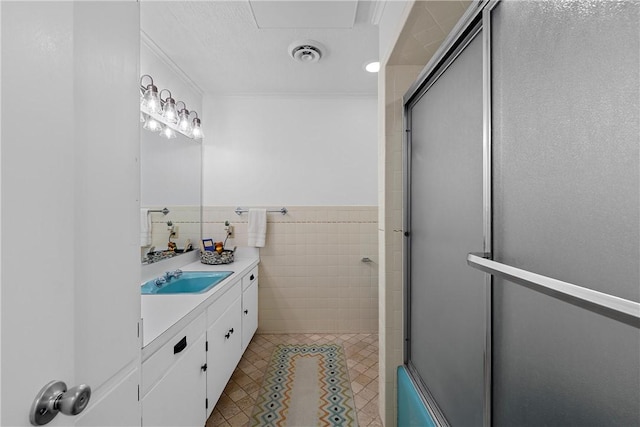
{"points": [[411, 411]]}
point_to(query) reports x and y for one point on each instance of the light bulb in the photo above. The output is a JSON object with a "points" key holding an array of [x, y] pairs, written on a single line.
{"points": [[197, 130], [183, 122], [151, 101], [152, 124], [169, 111], [168, 133]]}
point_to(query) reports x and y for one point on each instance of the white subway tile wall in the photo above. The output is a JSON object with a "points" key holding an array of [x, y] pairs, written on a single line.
{"points": [[312, 277]]}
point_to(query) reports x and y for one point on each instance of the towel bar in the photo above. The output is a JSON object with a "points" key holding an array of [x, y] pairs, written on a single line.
{"points": [[614, 307], [164, 211], [283, 211]]}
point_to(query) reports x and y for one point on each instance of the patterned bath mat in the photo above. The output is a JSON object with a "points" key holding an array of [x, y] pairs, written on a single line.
{"points": [[306, 386]]}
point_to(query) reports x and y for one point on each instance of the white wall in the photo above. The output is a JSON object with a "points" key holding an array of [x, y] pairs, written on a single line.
{"points": [[290, 150]]}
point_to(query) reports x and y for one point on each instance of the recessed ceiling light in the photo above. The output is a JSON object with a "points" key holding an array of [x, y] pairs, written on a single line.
{"points": [[372, 67]]}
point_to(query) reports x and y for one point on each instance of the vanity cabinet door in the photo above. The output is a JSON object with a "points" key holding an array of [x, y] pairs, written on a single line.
{"points": [[224, 338], [178, 398], [249, 313]]}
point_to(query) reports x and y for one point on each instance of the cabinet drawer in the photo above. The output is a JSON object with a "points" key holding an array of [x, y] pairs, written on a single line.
{"points": [[216, 309], [160, 362], [249, 278]]}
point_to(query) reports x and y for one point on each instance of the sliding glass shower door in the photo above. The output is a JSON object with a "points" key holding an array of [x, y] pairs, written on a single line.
{"points": [[566, 150], [523, 147], [447, 299]]}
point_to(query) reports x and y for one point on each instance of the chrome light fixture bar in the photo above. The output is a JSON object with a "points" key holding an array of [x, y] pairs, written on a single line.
{"points": [[165, 115]]}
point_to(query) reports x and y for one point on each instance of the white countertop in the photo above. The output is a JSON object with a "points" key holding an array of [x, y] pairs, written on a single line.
{"points": [[170, 313]]}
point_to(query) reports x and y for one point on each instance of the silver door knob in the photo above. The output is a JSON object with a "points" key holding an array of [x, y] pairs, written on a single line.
{"points": [[54, 398]]}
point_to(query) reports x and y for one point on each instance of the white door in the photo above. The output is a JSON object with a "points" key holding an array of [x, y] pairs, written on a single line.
{"points": [[69, 144]]}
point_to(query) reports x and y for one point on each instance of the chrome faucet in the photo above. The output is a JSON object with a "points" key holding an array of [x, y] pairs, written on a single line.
{"points": [[167, 276], [172, 274]]}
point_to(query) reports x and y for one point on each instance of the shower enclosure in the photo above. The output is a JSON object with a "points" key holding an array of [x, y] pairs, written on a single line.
{"points": [[523, 150]]}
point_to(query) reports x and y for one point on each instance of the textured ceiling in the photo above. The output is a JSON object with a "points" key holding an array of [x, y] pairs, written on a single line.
{"points": [[304, 14], [219, 45]]}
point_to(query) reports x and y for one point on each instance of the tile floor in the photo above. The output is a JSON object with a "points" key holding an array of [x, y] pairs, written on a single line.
{"points": [[236, 403]]}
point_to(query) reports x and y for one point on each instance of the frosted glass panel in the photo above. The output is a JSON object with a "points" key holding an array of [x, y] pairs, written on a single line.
{"points": [[556, 364], [566, 205], [447, 297]]}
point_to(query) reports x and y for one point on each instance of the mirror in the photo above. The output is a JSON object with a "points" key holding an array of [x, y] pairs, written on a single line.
{"points": [[170, 176]]}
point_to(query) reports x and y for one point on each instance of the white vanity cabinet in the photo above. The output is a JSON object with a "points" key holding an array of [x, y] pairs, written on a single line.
{"points": [[174, 380], [249, 306], [184, 378]]}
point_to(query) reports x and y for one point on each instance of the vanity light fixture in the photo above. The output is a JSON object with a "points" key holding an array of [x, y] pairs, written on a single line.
{"points": [[184, 125], [169, 107], [167, 132], [150, 98], [152, 124], [197, 130], [165, 115]]}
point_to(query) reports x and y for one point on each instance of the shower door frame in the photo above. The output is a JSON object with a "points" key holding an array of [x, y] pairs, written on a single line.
{"points": [[474, 20], [478, 18]]}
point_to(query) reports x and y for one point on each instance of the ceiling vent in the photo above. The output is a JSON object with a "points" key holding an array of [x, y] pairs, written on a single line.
{"points": [[307, 51]]}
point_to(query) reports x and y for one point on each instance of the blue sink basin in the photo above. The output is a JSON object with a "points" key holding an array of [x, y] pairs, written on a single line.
{"points": [[190, 282]]}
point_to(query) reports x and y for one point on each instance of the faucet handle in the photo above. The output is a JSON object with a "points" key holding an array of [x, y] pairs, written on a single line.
{"points": [[172, 274], [160, 281]]}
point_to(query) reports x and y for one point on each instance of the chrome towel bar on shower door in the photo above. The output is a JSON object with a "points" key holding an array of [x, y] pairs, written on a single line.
{"points": [[283, 211], [618, 308]]}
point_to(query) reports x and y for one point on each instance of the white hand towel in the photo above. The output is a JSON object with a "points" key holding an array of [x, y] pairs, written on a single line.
{"points": [[257, 229], [145, 227]]}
